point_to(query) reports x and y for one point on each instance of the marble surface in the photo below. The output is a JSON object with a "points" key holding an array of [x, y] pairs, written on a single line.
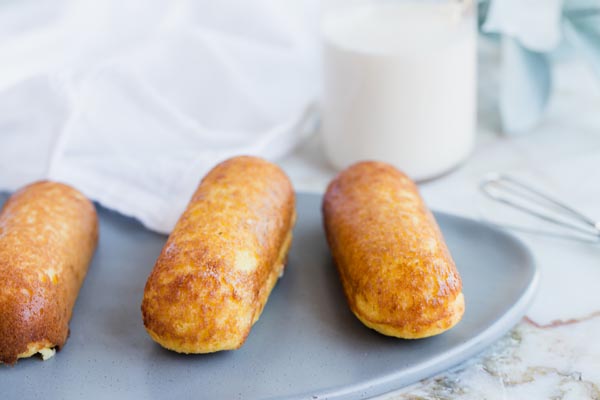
{"points": [[554, 352]]}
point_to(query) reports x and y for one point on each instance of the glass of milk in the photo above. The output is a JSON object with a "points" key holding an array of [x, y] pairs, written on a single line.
{"points": [[399, 82]]}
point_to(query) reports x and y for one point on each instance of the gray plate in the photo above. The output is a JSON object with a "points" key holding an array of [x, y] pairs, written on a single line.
{"points": [[307, 344]]}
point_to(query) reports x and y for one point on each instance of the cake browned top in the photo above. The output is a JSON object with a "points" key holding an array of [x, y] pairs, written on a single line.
{"points": [[48, 233], [208, 284], [391, 256]]}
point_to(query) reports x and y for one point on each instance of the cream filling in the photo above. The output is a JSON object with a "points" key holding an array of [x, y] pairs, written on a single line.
{"points": [[47, 353], [44, 348]]}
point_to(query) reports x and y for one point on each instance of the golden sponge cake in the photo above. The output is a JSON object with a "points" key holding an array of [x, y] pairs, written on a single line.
{"points": [[48, 234], [396, 271], [223, 258]]}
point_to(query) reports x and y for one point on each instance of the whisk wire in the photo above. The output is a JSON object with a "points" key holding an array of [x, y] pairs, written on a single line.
{"points": [[545, 207]]}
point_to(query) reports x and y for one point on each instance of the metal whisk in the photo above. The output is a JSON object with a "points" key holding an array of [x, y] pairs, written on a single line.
{"points": [[519, 195]]}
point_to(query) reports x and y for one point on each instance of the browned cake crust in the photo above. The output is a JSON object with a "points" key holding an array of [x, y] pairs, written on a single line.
{"points": [[48, 233], [220, 263], [395, 268]]}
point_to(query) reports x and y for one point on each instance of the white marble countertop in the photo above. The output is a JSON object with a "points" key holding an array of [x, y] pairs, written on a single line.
{"points": [[554, 353]]}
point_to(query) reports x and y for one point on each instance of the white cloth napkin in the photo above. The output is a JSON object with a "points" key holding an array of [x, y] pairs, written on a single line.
{"points": [[132, 102]]}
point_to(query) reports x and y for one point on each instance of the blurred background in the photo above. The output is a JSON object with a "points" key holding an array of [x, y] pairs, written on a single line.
{"points": [[133, 102]]}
